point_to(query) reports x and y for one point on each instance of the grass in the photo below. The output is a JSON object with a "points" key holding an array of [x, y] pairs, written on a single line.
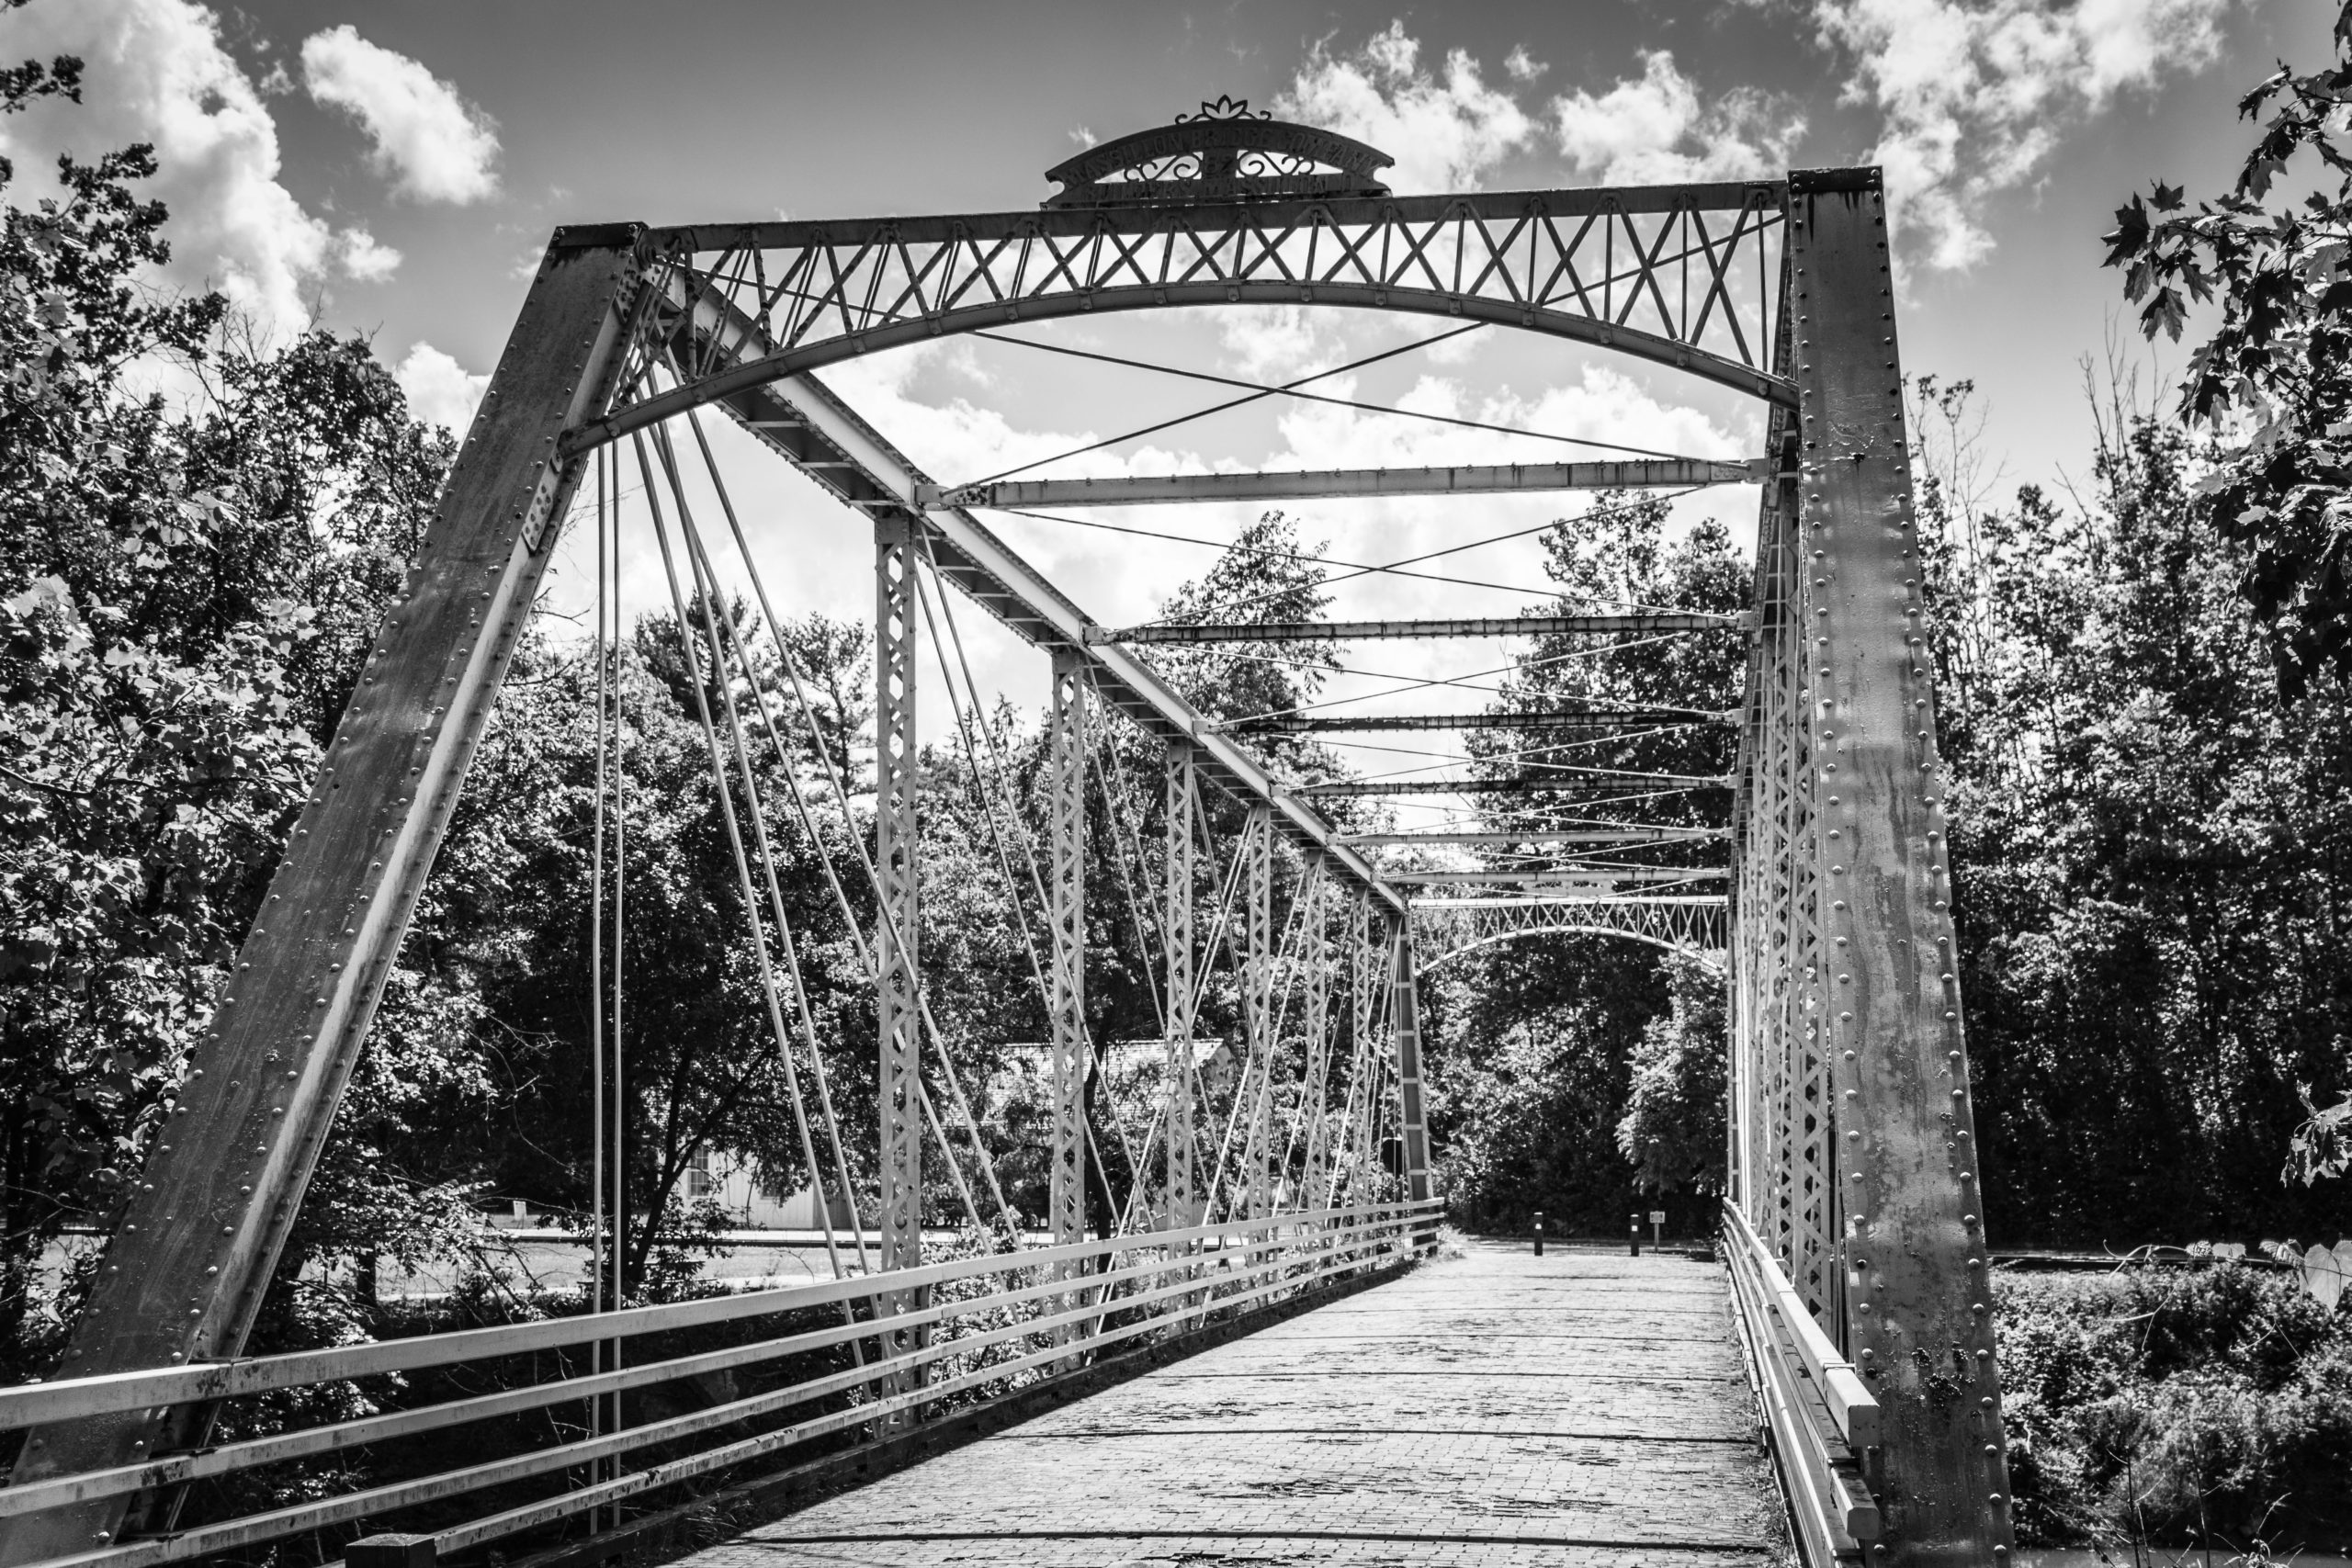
{"points": [[2208, 1406]]}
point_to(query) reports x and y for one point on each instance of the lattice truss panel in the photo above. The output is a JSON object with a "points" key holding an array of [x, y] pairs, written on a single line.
{"points": [[1683, 274], [1447, 928], [1786, 1127]]}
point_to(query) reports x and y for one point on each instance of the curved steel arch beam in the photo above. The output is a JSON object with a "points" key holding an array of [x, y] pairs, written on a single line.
{"points": [[1677, 924], [1653, 273], [792, 362], [1712, 957]]}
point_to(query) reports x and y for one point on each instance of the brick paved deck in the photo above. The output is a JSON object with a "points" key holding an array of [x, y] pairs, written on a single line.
{"points": [[1574, 1410]]}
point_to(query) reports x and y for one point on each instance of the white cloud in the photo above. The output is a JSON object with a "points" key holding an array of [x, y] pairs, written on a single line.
{"points": [[440, 391], [1276, 343], [157, 72], [1973, 97], [364, 258], [1446, 132], [1654, 129], [1523, 67], [434, 145]]}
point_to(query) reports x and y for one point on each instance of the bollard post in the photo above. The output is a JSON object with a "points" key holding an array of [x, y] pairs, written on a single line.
{"points": [[392, 1551], [1637, 1234], [1538, 1233]]}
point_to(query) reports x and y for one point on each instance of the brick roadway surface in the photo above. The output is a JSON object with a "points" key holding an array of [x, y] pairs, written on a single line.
{"points": [[1576, 1410]]}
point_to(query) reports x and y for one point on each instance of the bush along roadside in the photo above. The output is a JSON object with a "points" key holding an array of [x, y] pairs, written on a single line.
{"points": [[2210, 1406]]}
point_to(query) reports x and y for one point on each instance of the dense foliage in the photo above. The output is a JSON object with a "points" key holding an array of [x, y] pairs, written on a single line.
{"points": [[2210, 1407]]}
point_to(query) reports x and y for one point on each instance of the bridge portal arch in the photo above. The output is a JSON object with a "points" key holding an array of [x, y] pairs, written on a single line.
{"points": [[1446, 930], [1225, 208]]}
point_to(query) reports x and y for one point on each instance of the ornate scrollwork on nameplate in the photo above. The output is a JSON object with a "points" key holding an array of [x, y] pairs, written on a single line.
{"points": [[1226, 152]]}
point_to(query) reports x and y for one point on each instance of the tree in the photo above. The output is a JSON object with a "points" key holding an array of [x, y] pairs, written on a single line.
{"points": [[2147, 847], [2273, 381], [184, 590], [1536, 1045], [1673, 1128]]}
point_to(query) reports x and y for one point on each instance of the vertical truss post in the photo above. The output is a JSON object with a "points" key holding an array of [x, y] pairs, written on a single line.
{"points": [[183, 1277], [1919, 1308], [1365, 972], [898, 977], [1405, 1022], [1315, 952], [1179, 867], [1066, 890], [1258, 1000], [1762, 859]]}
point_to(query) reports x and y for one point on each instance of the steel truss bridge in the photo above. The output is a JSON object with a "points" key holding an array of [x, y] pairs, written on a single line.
{"points": [[1852, 1229]]}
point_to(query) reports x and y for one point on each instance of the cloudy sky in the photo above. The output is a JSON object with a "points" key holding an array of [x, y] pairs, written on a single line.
{"points": [[393, 168]]}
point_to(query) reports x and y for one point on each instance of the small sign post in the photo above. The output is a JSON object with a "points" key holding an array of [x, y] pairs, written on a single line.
{"points": [[1658, 1228]]}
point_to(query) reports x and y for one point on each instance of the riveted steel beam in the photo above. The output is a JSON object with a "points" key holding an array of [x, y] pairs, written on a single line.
{"points": [[1065, 920], [1564, 783], [185, 1274], [1362, 631], [1595, 876], [1540, 836], [1479, 479], [1179, 1094], [1405, 1011], [1258, 1003], [1366, 724], [1314, 957], [1920, 1317], [1367, 971], [896, 816]]}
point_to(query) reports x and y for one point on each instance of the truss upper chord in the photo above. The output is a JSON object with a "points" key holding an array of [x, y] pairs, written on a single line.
{"points": [[1542, 836], [1566, 781], [1328, 724], [1359, 631], [1476, 478], [1686, 275]]}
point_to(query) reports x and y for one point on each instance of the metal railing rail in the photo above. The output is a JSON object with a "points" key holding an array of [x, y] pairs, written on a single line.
{"points": [[1819, 1413], [1214, 1269]]}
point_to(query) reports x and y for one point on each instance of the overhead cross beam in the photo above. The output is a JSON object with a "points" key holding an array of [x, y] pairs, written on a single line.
{"points": [[1550, 835], [1328, 724], [1566, 783], [1362, 631], [1575, 875], [1575, 900], [1484, 478]]}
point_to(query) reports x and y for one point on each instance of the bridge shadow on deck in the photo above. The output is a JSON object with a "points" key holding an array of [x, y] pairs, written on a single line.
{"points": [[1577, 1409]]}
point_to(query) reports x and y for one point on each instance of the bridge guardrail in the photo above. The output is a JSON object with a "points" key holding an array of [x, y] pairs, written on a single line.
{"points": [[1818, 1411], [1174, 1280]]}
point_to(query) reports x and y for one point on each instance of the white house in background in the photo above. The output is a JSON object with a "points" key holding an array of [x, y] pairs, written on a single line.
{"points": [[731, 1183]]}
